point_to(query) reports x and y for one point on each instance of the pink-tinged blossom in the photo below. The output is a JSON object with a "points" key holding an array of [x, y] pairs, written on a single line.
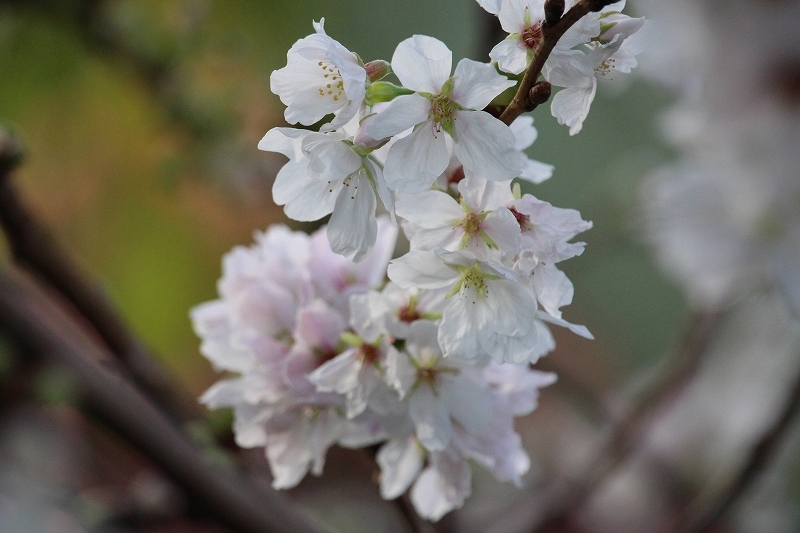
{"points": [[440, 392], [273, 326], [444, 106], [321, 77]]}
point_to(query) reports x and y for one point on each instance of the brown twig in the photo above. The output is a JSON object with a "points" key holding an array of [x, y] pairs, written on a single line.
{"points": [[699, 516], [623, 439], [551, 33], [34, 248], [40, 324]]}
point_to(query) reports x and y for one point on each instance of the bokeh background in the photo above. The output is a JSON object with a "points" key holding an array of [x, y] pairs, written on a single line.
{"points": [[141, 120]]}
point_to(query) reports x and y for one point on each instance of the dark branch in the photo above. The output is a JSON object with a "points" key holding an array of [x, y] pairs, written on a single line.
{"points": [[40, 324], [36, 250], [626, 435], [699, 517], [551, 33]]}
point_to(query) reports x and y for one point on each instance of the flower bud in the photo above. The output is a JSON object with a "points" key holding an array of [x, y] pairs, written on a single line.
{"points": [[362, 138], [384, 91], [618, 24], [378, 69]]}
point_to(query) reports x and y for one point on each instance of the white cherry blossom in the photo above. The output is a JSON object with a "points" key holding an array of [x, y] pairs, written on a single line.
{"points": [[327, 174], [523, 20], [479, 221], [441, 103], [321, 77], [486, 313], [578, 72]]}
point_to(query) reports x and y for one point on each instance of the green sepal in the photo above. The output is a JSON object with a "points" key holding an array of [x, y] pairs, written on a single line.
{"points": [[384, 91]]}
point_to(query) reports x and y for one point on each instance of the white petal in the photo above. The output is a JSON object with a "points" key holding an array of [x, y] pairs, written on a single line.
{"points": [[485, 146], [571, 106], [463, 324], [429, 209], [386, 196], [286, 141], [305, 197], [536, 171], [431, 419], [511, 55], [492, 6], [512, 14], [421, 269], [583, 31], [553, 288], [400, 462], [569, 68], [525, 133], [476, 84], [339, 375], [469, 404], [574, 328], [352, 229], [403, 113], [329, 158], [414, 162], [512, 307], [442, 487], [422, 63], [502, 227]]}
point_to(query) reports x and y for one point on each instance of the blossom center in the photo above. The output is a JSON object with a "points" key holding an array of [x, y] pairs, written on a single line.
{"points": [[471, 224], [409, 312], [332, 82], [456, 176], [522, 219], [474, 281], [442, 111], [605, 68], [368, 354], [532, 35]]}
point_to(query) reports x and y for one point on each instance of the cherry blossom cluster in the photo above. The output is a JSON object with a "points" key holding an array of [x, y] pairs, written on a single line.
{"points": [[725, 218], [433, 365]]}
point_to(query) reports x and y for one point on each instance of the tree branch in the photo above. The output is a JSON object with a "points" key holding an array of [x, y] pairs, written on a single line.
{"points": [[623, 439], [551, 33], [39, 323], [699, 516], [34, 248]]}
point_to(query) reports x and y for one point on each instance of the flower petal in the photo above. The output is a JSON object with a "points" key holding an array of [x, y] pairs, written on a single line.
{"points": [[403, 113], [414, 162], [400, 462], [476, 84], [511, 54], [485, 146], [422, 63], [571, 106], [353, 229]]}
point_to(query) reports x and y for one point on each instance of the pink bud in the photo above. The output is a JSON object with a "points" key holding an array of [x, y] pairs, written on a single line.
{"points": [[377, 69], [362, 138]]}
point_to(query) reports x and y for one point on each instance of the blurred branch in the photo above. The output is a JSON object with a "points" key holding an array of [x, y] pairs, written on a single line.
{"points": [[40, 324], [623, 439], [159, 73], [528, 97], [700, 515], [34, 248]]}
